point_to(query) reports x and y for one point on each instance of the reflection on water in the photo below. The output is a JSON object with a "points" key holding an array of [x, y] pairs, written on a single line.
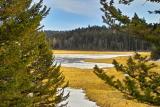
{"points": [[77, 60]]}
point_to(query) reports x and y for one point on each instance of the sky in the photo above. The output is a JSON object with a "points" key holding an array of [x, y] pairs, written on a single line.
{"points": [[71, 14]]}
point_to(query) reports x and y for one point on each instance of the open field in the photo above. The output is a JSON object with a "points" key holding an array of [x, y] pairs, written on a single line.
{"points": [[88, 52], [121, 59], [96, 90]]}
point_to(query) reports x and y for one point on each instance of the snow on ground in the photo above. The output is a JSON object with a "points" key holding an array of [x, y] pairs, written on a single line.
{"points": [[88, 56], [77, 98], [76, 60], [86, 65]]}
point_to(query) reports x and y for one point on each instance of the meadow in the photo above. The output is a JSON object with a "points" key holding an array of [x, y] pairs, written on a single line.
{"points": [[95, 89]]}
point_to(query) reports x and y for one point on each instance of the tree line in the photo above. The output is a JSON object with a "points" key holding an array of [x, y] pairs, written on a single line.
{"points": [[95, 38]]}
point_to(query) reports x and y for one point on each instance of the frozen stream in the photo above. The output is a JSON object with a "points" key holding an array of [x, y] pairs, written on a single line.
{"points": [[77, 60], [77, 96]]}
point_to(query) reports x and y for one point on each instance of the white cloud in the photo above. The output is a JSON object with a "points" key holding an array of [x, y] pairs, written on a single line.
{"points": [[81, 7]]}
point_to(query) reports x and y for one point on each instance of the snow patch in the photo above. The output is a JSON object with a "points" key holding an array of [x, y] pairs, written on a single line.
{"points": [[76, 60], [77, 98]]}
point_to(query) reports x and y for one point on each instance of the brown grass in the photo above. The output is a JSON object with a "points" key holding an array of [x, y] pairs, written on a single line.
{"points": [[96, 90], [108, 60], [88, 52], [121, 59]]}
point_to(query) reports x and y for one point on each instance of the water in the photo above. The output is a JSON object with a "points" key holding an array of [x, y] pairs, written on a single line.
{"points": [[77, 60]]}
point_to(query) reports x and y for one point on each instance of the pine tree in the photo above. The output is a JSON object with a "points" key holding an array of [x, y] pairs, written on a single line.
{"points": [[139, 81], [135, 26], [27, 75]]}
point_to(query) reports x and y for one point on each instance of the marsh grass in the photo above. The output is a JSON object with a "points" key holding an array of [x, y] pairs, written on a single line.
{"points": [[88, 52], [96, 90]]}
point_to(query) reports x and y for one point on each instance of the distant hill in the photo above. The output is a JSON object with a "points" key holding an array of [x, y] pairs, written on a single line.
{"points": [[95, 38]]}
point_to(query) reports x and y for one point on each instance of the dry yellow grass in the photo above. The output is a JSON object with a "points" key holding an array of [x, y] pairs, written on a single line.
{"points": [[108, 60], [96, 90], [88, 52], [121, 59]]}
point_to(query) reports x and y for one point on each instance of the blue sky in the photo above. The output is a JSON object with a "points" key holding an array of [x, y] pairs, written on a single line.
{"points": [[71, 14]]}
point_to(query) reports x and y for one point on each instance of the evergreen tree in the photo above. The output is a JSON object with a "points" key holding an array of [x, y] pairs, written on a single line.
{"points": [[139, 81], [135, 26], [27, 77]]}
